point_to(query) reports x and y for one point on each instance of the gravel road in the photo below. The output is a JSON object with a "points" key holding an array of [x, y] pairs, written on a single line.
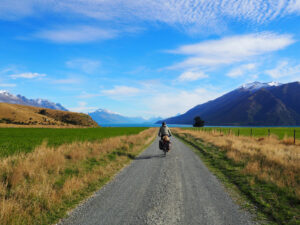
{"points": [[176, 189]]}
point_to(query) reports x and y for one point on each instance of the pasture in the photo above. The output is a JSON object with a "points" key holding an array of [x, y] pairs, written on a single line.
{"points": [[40, 187], [16, 140]]}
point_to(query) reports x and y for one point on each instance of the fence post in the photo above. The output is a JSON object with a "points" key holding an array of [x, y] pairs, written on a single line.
{"points": [[251, 132], [294, 136], [269, 132]]}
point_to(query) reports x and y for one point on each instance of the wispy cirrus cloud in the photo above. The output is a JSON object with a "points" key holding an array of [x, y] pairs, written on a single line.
{"points": [[121, 91], [241, 70], [83, 107], [179, 12], [85, 95], [294, 6], [285, 70], [28, 75], [230, 50], [192, 75], [7, 85], [12, 10], [84, 65], [78, 34], [180, 102], [66, 81]]}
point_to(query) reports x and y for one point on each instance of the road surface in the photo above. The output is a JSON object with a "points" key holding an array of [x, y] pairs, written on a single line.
{"points": [[176, 189]]}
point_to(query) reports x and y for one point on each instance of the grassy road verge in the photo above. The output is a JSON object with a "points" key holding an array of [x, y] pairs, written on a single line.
{"points": [[41, 186], [264, 171]]}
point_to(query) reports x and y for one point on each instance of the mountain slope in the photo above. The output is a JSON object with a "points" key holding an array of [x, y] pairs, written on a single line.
{"points": [[29, 115], [7, 97], [252, 104]]}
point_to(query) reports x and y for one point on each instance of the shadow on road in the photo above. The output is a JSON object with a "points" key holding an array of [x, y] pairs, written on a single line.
{"points": [[150, 156]]}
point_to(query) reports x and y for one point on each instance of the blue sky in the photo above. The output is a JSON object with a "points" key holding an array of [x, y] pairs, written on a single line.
{"points": [[145, 58]]}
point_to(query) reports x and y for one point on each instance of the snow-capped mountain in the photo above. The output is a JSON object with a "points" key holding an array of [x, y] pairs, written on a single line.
{"points": [[258, 85], [7, 97], [256, 104], [106, 111], [104, 116]]}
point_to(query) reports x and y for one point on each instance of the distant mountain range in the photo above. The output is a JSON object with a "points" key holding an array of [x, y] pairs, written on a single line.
{"points": [[7, 97], [103, 116], [257, 104]]}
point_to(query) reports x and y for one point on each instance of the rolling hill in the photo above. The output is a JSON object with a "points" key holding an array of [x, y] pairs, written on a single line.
{"points": [[36, 116], [256, 104]]}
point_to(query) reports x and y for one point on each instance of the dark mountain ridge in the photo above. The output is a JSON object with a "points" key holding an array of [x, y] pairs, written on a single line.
{"points": [[257, 105]]}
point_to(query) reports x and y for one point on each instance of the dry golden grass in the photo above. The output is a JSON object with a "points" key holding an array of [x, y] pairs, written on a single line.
{"points": [[288, 140], [35, 186], [11, 114], [269, 159]]}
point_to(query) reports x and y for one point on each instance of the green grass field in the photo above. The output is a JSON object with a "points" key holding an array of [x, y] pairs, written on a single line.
{"points": [[280, 132], [15, 140]]}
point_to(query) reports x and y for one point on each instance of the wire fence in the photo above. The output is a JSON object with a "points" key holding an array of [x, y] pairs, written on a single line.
{"points": [[281, 133]]}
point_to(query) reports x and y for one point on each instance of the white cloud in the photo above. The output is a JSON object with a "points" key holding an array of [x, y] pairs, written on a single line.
{"points": [[285, 70], [192, 75], [294, 6], [179, 101], [241, 70], [27, 75], [82, 107], [84, 65], [79, 34], [121, 91], [232, 49]]}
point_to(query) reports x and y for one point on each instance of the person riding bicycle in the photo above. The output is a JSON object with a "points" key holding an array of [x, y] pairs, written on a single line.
{"points": [[164, 131]]}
